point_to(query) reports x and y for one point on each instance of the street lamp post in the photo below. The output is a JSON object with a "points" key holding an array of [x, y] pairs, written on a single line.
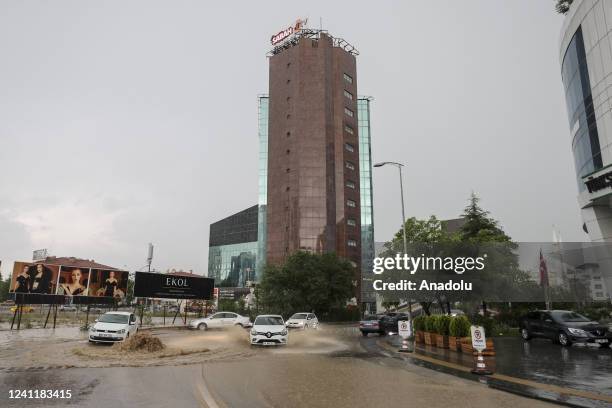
{"points": [[399, 167]]}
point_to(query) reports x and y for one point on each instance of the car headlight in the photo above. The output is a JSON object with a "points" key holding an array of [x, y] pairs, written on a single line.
{"points": [[121, 331], [577, 332], [284, 332], [253, 332]]}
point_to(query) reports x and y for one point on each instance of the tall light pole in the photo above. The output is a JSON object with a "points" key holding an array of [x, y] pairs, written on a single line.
{"points": [[399, 167]]}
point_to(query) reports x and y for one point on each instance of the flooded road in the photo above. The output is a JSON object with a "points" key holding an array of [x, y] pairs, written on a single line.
{"points": [[327, 367], [580, 367]]}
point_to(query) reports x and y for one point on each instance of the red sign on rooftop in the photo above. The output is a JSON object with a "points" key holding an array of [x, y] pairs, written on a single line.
{"points": [[289, 31]]}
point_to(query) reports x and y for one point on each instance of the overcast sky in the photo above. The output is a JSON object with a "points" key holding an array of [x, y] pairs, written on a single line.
{"points": [[128, 122]]}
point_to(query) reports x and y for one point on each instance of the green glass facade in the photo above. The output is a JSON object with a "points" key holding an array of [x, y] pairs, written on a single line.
{"points": [[367, 209], [233, 265], [263, 181]]}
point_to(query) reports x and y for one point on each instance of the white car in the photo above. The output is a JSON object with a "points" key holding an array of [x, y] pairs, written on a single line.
{"points": [[219, 320], [303, 321], [268, 330], [112, 327]]}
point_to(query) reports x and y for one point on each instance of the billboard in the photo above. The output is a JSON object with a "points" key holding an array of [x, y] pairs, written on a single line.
{"points": [[70, 282], [108, 283], [34, 278], [159, 285]]}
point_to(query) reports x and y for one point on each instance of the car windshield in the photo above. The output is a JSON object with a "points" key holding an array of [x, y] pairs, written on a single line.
{"points": [[113, 318], [569, 317], [268, 321], [299, 316]]}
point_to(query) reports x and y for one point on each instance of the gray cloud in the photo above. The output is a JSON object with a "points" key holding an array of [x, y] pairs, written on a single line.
{"points": [[123, 123]]}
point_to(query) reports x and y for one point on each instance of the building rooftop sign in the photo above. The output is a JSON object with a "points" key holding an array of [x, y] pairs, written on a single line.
{"points": [[288, 32]]}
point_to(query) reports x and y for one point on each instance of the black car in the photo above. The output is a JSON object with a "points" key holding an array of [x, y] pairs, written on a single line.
{"points": [[564, 327], [381, 324]]}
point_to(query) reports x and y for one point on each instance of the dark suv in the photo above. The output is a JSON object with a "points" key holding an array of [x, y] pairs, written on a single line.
{"points": [[382, 324], [564, 327]]}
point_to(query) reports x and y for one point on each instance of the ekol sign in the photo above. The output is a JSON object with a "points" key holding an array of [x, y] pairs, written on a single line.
{"points": [[172, 286]]}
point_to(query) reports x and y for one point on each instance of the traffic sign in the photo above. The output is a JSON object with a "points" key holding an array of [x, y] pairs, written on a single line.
{"points": [[479, 341], [404, 329]]}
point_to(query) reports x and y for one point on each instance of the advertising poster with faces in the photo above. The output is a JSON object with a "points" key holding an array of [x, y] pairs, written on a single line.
{"points": [[108, 283], [73, 281], [34, 278]]}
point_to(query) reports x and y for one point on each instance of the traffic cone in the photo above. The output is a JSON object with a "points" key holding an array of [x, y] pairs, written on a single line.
{"points": [[405, 348], [480, 366]]}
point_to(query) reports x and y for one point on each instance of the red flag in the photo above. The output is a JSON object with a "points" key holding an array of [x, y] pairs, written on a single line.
{"points": [[543, 271]]}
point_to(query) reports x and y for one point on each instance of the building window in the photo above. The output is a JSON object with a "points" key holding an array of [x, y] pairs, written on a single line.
{"points": [[350, 165], [348, 112], [349, 147], [348, 78], [352, 243], [348, 95], [596, 277], [349, 130], [351, 203], [599, 294], [350, 184], [288, 134], [598, 287], [351, 222]]}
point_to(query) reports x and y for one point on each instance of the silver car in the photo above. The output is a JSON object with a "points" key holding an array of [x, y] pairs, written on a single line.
{"points": [[303, 321], [220, 320]]}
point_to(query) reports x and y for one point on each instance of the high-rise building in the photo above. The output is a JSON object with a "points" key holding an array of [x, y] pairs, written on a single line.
{"points": [[586, 71], [313, 180], [315, 167]]}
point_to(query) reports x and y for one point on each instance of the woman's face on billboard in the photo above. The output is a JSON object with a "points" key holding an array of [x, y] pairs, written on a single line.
{"points": [[39, 268], [76, 276], [25, 269], [111, 275]]}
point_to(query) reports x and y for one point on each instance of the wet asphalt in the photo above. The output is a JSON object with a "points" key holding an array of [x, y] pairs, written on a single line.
{"points": [[331, 367]]}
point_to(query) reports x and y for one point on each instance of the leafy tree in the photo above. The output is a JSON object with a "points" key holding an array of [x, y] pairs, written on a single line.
{"points": [[307, 282], [479, 226], [129, 296], [563, 6], [4, 287]]}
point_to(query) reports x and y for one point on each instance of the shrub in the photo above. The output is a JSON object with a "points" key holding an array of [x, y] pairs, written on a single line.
{"points": [[442, 323], [459, 326], [419, 323], [486, 322], [430, 323]]}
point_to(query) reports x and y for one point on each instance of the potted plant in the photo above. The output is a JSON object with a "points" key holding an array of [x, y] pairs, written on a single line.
{"points": [[419, 329], [458, 328], [430, 330], [442, 323]]}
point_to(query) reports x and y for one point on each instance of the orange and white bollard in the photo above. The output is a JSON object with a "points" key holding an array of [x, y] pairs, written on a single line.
{"points": [[405, 348], [480, 366]]}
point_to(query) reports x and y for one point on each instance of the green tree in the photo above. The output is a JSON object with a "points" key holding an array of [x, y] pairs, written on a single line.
{"points": [[479, 226], [307, 282], [4, 287], [129, 296]]}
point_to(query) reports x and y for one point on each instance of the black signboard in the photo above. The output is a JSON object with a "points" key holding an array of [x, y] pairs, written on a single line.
{"points": [[159, 285]]}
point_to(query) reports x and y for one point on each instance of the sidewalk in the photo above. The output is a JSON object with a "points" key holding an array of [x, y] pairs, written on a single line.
{"points": [[461, 364]]}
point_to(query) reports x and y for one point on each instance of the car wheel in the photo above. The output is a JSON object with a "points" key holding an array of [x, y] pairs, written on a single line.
{"points": [[91, 341], [364, 334], [564, 340], [525, 334], [202, 326], [127, 335]]}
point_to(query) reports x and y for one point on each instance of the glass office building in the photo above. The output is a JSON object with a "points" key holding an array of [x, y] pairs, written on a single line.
{"points": [[233, 246], [368, 295], [263, 180], [586, 71]]}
